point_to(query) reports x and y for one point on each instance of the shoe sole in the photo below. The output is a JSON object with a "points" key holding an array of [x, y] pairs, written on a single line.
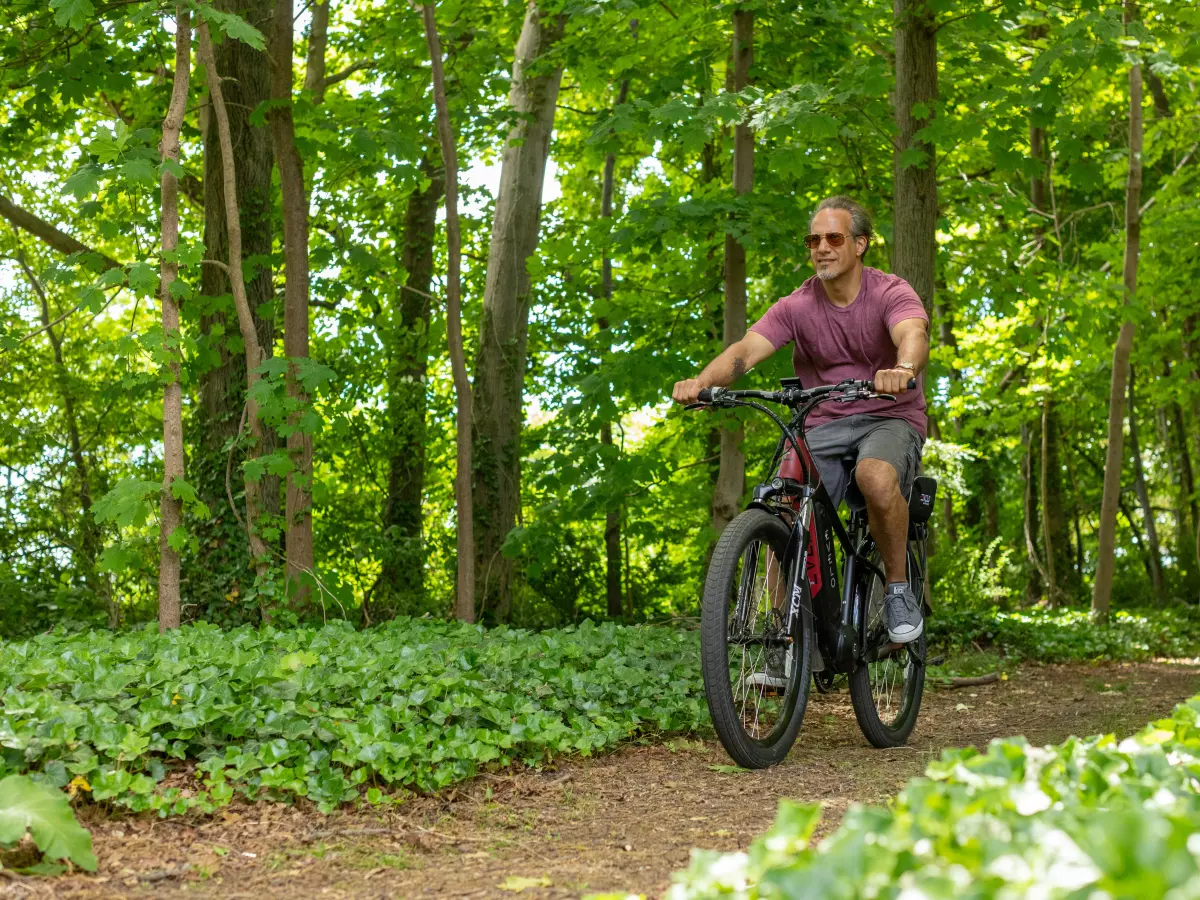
{"points": [[907, 638]]}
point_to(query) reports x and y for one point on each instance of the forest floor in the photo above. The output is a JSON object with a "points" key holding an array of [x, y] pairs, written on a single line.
{"points": [[621, 821]]}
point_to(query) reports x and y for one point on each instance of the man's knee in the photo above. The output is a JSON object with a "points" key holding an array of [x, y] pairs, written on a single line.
{"points": [[878, 480]]}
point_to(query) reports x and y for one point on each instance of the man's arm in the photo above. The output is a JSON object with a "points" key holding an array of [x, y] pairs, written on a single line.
{"points": [[734, 362], [911, 337]]}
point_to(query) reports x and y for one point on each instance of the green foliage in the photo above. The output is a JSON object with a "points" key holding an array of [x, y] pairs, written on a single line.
{"points": [[1070, 635], [44, 812], [1088, 817], [329, 713]]}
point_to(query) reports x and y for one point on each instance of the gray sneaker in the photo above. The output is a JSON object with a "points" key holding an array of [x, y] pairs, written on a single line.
{"points": [[904, 619]]}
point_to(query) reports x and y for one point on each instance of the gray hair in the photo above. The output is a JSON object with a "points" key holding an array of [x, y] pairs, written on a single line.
{"points": [[860, 219]]}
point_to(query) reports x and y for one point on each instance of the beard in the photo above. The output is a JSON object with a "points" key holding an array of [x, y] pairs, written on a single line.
{"points": [[829, 271]]}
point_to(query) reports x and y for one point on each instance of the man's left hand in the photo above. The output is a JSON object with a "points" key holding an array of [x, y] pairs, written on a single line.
{"points": [[892, 381]]}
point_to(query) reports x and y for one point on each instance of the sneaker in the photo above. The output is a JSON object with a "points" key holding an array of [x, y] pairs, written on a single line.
{"points": [[776, 669], [904, 619]]}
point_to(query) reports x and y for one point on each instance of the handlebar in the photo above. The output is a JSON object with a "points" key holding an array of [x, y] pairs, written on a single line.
{"points": [[849, 390]]}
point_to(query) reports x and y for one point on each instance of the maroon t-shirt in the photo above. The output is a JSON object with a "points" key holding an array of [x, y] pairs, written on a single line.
{"points": [[833, 343]]}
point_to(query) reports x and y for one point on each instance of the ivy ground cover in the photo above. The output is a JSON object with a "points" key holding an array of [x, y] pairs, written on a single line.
{"points": [[331, 714], [1089, 817]]}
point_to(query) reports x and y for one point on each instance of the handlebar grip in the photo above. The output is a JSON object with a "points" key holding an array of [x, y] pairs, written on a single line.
{"points": [[912, 384], [705, 395]]}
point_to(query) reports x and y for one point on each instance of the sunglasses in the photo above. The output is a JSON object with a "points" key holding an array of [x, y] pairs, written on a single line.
{"points": [[835, 239]]}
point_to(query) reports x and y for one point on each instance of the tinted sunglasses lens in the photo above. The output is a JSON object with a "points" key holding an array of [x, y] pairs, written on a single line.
{"points": [[835, 239]]}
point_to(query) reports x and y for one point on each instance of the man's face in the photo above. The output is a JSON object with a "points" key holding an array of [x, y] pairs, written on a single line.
{"points": [[832, 262]]}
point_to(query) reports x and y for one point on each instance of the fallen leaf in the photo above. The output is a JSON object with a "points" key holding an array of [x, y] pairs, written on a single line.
{"points": [[962, 707], [519, 883]]}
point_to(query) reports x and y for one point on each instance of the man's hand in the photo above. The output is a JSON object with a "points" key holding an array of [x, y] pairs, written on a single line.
{"points": [[687, 391], [892, 381]]}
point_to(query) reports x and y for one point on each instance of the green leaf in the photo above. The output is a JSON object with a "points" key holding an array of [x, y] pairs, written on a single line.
{"points": [[233, 26], [46, 814], [72, 13], [84, 181]]}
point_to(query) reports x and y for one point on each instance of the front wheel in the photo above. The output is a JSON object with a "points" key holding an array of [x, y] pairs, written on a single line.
{"points": [[756, 674], [886, 686]]}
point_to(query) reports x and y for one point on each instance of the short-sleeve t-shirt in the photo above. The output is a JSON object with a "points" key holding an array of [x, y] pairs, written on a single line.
{"points": [[833, 343]]}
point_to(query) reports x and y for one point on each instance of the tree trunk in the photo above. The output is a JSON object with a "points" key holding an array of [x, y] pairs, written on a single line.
{"points": [[946, 338], [298, 501], [465, 600], [500, 366], [731, 476], [90, 538], [1143, 493], [612, 516], [1189, 516], [259, 553], [171, 507], [403, 577], [1106, 556], [223, 559], [915, 207], [318, 33], [1030, 468], [1055, 541]]}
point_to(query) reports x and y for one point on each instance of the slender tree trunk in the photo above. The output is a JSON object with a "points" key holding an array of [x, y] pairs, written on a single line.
{"points": [[500, 366], [1143, 493], [1030, 468], [731, 477], [314, 72], [403, 576], [1192, 357], [1106, 558], [171, 508], [1189, 516], [1055, 541], [223, 561], [259, 553], [915, 207], [612, 516], [946, 337], [298, 500], [465, 602], [90, 538]]}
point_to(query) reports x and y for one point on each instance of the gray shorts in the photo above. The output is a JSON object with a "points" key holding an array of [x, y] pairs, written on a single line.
{"points": [[837, 447]]}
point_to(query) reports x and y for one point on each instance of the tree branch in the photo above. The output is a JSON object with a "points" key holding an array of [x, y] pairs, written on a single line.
{"points": [[331, 80], [51, 235]]}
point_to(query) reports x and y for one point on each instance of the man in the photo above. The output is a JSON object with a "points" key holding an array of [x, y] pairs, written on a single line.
{"points": [[851, 321]]}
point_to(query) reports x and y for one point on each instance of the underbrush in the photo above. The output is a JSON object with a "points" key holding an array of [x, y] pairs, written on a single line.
{"points": [[1089, 817], [1068, 635], [189, 718]]}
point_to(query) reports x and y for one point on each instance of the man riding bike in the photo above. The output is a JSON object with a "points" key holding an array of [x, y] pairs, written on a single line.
{"points": [[850, 321]]}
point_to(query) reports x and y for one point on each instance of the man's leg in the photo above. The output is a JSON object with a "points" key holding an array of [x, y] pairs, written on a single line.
{"points": [[887, 511], [887, 463]]}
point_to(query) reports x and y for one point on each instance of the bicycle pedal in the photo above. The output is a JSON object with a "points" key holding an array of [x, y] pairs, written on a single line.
{"points": [[936, 661]]}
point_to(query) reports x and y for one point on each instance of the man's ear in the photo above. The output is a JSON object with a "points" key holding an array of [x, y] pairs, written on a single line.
{"points": [[860, 244]]}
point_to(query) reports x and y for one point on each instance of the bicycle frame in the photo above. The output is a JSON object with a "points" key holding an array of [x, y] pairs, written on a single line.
{"points": [[813, 521]]}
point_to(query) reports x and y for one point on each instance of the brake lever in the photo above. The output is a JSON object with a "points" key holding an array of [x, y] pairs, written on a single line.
{"points": [[692, 406]]}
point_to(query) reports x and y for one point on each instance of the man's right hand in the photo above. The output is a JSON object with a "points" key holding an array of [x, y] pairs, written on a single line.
{"points": [[687, 391]]}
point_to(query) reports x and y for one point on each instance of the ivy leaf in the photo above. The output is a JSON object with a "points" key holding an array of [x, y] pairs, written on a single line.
{"points": [[46, 814]]}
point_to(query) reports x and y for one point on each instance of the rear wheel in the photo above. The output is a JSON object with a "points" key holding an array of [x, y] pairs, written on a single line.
{"points": [[756, 676], [887, 684]]}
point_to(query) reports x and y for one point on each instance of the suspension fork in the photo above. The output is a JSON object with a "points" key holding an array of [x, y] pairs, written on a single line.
{"points": [[799, 558]]}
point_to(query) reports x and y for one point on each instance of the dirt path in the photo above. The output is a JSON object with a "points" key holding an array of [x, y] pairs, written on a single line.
{"points": [[624, 821]]}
